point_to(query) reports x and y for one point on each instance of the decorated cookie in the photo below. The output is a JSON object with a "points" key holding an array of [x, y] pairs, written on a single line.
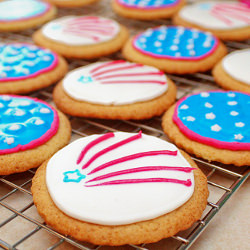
{"points": [[115, 90], [82, 36], [71, 3], [233, 71], [175, 49], [30, 132], [229, 20], [147, 9], [124, 185], [16, 15], [26, 67], [212, 125]]}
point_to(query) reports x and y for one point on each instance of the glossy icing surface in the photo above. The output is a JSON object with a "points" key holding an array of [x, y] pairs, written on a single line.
{"points": [[176, 43], [115, 83], [217, 15], [22, 61], [119, 178], [237, 65], [25, 123], [13, 10], [219, 118], [148, 4], [81, 30]]}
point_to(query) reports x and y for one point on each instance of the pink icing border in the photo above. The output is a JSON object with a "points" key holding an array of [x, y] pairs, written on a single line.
{"points": [[39, 72], [44, 138], [48, 7], [171, 57], [206, 140], [148, 8]]}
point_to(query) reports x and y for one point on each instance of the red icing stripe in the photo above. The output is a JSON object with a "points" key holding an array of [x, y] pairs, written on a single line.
{"points": [[141, 169], [138, 81], [128, 75], [187, 182], [105, 65], [110, 148], [92, 144], [132, 157]]}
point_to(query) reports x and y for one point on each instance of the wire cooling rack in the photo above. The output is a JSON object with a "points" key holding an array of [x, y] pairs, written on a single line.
{"points": [[20, 225]]}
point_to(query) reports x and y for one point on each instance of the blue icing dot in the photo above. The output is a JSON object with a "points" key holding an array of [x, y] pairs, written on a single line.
{"points": [[223, 116], [20, 60], [23, 120], [175, 43], [148, 3], [17, 9]]}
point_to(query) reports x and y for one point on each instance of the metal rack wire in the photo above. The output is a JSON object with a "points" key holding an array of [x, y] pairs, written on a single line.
{"points": [[20, 224]]}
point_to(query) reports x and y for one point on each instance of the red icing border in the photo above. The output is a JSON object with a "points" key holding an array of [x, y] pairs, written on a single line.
{"points": [[48, 7], [44, 138], [235, 146], [171, 57], [148, 8], [39, 72]]}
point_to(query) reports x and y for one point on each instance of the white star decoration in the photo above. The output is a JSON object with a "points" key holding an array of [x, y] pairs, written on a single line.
{"points": [[9, 140], [190, 118], [1, 105], [19, 112], [204, 94], [208, 105], [184, 106], [14, 127], [232, 103], [210, 116], [44, 111], [234, 113], [231, 94], [239, 124], [238, 137], [39, 122], [216, 128]]}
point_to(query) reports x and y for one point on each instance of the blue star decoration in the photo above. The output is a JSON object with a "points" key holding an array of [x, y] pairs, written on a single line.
{"points": [[73, 176], [85, 79]]}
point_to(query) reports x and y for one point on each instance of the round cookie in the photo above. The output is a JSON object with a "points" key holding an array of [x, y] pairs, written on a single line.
{"points": [[115, 90], [26, 68], [82, 36], [147, 10], [232, 72], [212, 125], [31, 131], [16, 15], [229, 20], [175, 49], [71, 3], [128, 189]]}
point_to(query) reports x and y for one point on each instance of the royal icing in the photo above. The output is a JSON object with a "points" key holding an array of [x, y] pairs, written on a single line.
{"points": [[237, 65], [148, 4], [81, 30], [22, 61], [25, 123], [175, 42], [217, 118], [217, 15], [119, 178], [115, 83], [13, 10]]}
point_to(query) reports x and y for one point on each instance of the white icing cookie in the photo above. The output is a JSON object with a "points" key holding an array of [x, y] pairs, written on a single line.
{"points": [[217, 15], [237, 65], [81, 30], [138, 179], [115, 83]]}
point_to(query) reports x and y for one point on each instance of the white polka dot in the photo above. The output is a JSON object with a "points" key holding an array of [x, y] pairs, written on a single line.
{"points": [[232, 103], [206, 44], [39, 122], [24, 103], [204, 94], [1, 105], [195, 35], [176, 41], [238, 137], [234, 113], [157, 44], [231, 94], [161, 37], [174, 47], [159, 50], [210, 116], [3, 74], [184, 106], [143, 40], [29, 63], [216, 128], [208, 105], [9, 140], [26, 71], [148, 32], [19, 112], [239, 124], [31, 55], [44, 111], [177, 54], [6, 98], [192, 52], [190, 46], [190, 118], [14, 127], [190, 40], [46, 58]]}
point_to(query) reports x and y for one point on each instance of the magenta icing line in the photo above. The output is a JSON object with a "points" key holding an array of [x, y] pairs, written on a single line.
{"points": [[187, 182], [145, 8], [39, 72], [51, 132], [142, 169], [112, 147], [206, 140], [106, 64], [92, 144], [132, 157]]}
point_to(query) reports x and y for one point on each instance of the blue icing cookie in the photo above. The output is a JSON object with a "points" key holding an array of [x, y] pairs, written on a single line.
{"points": [[148, 3], [220, 119], [175, 42], [25, 123], [12, 10], [20, 61]]}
